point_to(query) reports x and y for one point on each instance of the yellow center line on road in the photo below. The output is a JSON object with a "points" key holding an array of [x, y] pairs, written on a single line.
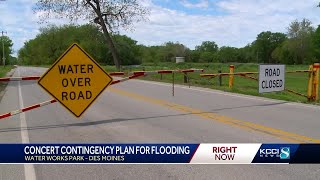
{"points": [[287, 136]]}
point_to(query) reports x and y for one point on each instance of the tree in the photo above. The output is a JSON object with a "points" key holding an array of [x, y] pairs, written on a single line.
{"points": [[266, 43], [206, 57], [206, 52], [128, 50], [207, 46], [52, 41], [302, 44], [300, 40], [7, 42], [13, 60], [228, 54], [316, 43], [194, 56], [247, 54], [284, 54], [108, 14], [176, 49], [169, 50]]}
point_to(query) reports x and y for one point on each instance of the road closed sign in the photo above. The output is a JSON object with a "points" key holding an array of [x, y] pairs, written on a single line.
{"points": [[75, 80], [271, 78]]}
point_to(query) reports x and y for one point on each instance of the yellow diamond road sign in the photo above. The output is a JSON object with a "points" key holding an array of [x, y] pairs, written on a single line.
{"points": [[75, 80]]}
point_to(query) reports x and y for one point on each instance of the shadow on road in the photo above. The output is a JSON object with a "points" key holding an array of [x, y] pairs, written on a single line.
{"points": [[257, 105], [93, 123]]}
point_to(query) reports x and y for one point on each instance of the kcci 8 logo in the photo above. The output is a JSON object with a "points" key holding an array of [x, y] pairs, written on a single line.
{"points": [[282, 153]]}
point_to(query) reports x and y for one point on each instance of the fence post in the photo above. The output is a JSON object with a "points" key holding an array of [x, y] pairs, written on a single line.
{"points": [[231, 67], [185, 78], [172, 83], [220, 78], [316, 69], [310, 84]]}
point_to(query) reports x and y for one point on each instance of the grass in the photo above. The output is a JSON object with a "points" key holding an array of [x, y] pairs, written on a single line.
{"points": [[4, 70], [3, 73], [294, 81]]}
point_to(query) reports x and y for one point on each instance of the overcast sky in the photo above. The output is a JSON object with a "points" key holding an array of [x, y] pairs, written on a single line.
{"points": [[227, 22]]}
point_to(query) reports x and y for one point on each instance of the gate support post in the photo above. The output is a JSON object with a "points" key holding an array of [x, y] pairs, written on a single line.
{"points": [[316, 69], [231, 67], [185, 78], [310, 84]]}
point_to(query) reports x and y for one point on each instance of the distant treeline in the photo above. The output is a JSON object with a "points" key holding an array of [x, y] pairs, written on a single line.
{"points": [[301, 45], [52, 41]]}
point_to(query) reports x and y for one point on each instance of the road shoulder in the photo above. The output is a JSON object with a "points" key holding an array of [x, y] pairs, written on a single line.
{"points": [[3, 85]]}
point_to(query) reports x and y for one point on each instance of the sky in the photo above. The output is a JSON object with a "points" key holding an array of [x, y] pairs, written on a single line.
{"points": [[190, 22]]}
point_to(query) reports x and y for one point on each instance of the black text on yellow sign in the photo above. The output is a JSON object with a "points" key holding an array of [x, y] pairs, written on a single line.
{"points": [[75, 80]]}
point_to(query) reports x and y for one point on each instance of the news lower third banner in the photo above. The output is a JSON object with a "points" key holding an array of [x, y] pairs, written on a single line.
{"points": [[159, 153]]}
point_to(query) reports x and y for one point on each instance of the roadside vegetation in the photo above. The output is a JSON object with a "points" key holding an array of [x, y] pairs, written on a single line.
{"points": [[3, 73], [300, 45], [297, 48], [5, 70], [294, 81]]}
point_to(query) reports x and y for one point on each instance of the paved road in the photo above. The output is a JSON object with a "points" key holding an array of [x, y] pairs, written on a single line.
{"points": [[140, 111]]}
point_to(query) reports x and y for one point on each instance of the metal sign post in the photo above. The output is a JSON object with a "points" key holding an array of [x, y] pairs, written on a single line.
{"points": [[3, 54]]}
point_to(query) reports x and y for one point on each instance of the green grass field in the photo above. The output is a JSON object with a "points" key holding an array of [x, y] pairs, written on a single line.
{"points": [[4, 70], [294, 81]]}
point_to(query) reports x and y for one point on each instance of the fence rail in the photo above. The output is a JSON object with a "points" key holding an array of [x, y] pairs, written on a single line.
{"points": [[18, 111], [313, 81], [133, 75], [26, 78]]}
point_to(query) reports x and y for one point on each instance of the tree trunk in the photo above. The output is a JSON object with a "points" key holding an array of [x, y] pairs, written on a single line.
{"points": [[109, 40], [112, 47]]}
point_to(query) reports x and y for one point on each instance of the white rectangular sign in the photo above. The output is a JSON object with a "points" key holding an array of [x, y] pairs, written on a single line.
{"points": [[271, 78]]}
